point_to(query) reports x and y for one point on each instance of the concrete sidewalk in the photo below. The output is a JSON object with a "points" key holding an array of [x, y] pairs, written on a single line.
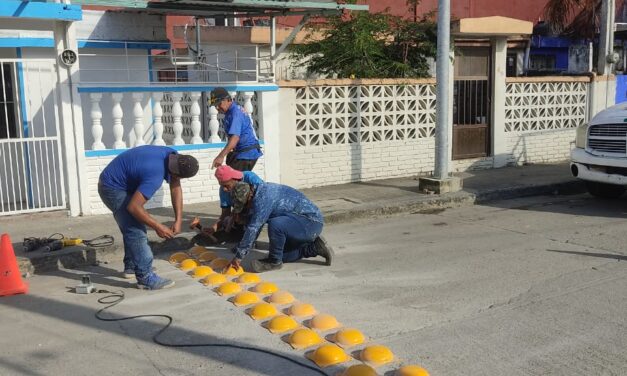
{"points": [[339, 203]]}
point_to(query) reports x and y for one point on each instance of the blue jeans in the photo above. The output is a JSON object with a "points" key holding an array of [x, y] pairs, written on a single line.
{"points": [[137, 252], [291, 237]]}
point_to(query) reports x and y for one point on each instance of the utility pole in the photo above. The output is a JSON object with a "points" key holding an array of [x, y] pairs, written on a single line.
{"points": [[606, 38]]}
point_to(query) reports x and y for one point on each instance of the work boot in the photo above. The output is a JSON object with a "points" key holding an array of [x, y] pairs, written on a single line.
{"points": [[130, 273], [264, 265], [153, 282], [323, 249]]}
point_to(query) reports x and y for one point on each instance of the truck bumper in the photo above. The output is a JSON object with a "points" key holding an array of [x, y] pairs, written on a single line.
{"points": [[592, 168]]}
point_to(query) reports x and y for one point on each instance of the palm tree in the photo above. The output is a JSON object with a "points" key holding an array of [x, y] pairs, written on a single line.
{"points": [[573, 18]]}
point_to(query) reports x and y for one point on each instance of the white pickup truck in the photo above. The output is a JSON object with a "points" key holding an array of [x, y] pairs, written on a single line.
{"points": [[600, 154]]}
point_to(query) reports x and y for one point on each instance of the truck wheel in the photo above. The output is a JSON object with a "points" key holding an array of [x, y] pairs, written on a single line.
{"points": [[604, 190]]}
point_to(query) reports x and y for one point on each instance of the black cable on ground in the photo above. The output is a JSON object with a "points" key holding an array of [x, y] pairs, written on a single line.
{"points": [[117, 297], [101, 241]]}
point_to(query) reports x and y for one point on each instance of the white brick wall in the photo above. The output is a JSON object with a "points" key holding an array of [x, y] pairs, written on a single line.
{"points": [[201, 188], [338, 164], [540, 147]]}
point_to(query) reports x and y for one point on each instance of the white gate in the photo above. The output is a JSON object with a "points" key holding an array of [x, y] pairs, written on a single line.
{"points": [[31, 168]]}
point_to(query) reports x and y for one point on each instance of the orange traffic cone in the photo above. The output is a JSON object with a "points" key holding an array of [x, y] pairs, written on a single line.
{"points": [[10, 279]]}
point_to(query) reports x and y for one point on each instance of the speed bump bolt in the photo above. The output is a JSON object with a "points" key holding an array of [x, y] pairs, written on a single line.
{"points": [[228, 288], [349, 337], [262, 311], [302, 310], [376, 355], [177, 257], [188, 264], [245, 298], [359, 370], [202, 271], [219, 263], [323, 322], [214, 279], [197, 251], [207, 256], [411, 370], [231, 271], [281, 297], [281, 324], [328, 355], [303, 338]]}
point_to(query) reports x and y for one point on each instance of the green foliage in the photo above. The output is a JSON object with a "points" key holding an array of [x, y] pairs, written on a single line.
{"points": [[366, 45]]}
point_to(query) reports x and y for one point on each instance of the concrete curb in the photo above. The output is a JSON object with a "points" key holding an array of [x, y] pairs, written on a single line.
{"points": [[74, 257]]}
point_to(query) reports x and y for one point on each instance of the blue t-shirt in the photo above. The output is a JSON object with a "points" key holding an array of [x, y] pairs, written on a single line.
{"points": [[143, 168], [237, 123], [273, 200], [250, 178]]}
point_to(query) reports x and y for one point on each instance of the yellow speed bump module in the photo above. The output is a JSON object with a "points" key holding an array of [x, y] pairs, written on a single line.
{"points": [[245, 298], [265, 288], [214, 279], [202, 271], [376, 355], [303, 338], [198, 250], [207, 256], [323, 322], [281, 324], [246, 278], [281, 297], [359, 370], [219, 263], [302, 310], [349, 337], [411, 371], [232, 272], [188, 264], [177, 257], [328, 355], [262, 311], [228, 288]]}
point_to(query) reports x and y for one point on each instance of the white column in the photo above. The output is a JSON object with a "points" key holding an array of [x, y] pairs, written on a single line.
{"points": [[499, 61], [177, 113], [278, 140], [195, 111], [214, 125], [233, 95], [248, 106], [157, 116], [96, 123], [118, 128], [138, 115]]}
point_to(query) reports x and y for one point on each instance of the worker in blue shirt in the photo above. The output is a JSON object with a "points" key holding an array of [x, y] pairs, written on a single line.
{"points": [[125, 185], [242, 148], [294, 225]]}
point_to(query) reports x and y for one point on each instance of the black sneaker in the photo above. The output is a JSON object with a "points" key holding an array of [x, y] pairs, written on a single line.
{"points": [[264, 265], [323, 249]]}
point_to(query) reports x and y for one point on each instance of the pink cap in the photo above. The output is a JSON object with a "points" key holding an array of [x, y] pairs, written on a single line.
{"points": [[226, 173]]}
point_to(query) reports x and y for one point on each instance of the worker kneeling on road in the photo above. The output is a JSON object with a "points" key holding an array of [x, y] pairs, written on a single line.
{"points": [[294, 225], [125, 185]]}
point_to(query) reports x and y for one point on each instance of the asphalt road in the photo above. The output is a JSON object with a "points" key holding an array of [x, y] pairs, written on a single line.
{"points": [[531, 286]]}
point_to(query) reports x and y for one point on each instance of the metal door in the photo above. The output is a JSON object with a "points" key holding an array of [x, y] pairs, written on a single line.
{"points": [[471, 103], [31, 168]]}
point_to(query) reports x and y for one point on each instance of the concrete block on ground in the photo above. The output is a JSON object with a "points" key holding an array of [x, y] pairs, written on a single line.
{"points": [[440, 186]]}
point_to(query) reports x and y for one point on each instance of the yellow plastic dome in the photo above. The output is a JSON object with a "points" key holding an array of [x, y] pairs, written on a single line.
{"points": [[265, 288], [281, 324], [232, 272], [302, 310], [188, 264], [303, 338], [202, 271], [219, 263], [177, 257], [328, 355], [248, 278], [323, 322], [349, 337], [281, 297], [197, 250], [228, 288], [376, 355], [207, 256], [263, 311], [359, 370], [412, 370], [214, 279], [245, 298]]}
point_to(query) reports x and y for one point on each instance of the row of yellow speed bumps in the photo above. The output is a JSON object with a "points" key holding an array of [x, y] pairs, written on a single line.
{"points": [[262, 299]]}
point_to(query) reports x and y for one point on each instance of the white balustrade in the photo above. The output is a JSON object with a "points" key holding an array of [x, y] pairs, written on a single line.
{"points": [[118, 129], [177, 113], [214, 125], [248, 102], [138, 114], [195, 123], [96, 121], [157, 116]]}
